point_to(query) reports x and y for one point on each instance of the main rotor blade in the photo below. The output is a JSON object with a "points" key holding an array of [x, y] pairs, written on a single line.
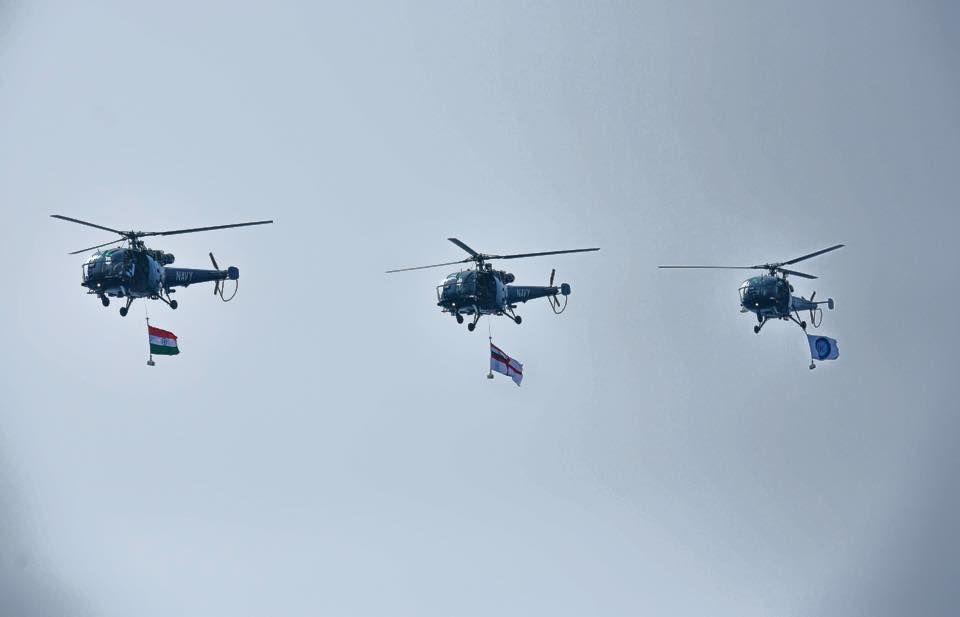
{"points": [[472, 252], [519, 255], [717, 267], [784, 270], [821, 252], [174, 232], [67, 218], [795, 273], [97, 246], [449, 263]]}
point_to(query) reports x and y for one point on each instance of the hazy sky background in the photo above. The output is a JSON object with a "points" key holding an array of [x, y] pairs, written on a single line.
{"points": [[327, 444]]}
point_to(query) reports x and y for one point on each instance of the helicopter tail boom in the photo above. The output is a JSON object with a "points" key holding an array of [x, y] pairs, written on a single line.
{"points": [[803, 304], [184, 277], [524, 293]]}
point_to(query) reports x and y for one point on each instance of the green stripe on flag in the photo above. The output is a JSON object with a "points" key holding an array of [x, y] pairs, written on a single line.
{"points": [[163, 350]]}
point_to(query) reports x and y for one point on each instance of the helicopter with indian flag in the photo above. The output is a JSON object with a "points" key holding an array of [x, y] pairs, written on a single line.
{"points": [[136, 271]]}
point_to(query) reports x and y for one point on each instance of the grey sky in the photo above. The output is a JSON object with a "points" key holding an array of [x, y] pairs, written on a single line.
{"points": [[327, 444]]}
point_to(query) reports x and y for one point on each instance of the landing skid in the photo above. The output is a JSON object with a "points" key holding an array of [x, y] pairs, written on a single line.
{"points": [[126, 308], [168, 301], [764, 320], [796, 319], [517, 319]]}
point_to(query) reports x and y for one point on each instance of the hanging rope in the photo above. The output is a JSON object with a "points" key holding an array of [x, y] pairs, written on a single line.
{"points": [[146, 313], [490, 339]]}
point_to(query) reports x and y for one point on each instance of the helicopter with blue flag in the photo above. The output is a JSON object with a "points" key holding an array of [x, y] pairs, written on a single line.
{"points": [[822, 348], [770, 296]]}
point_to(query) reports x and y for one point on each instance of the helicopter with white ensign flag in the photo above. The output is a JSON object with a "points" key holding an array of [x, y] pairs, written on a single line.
{"points": [[485, 291]]}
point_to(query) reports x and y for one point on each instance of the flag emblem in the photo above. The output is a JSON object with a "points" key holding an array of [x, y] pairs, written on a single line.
{"points": [[162, 342], [504, 364], [823, 347]]}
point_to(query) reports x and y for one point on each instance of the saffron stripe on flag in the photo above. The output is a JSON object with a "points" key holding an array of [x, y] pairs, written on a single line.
{"points": [[161, 333]]}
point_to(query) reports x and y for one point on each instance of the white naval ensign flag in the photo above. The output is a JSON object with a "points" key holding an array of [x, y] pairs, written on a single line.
{"points": [[504, 364]]}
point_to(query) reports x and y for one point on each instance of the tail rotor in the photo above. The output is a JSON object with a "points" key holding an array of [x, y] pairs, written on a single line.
{"points": [[553, 299], [555, 305], [216, 284], [218, 287]]}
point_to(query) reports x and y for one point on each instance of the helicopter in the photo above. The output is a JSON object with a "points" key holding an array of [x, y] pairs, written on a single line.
{"points": [[136, 271], [771, 297], [485, 291]]}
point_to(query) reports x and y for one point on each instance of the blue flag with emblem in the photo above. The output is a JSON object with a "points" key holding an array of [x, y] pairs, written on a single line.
{"points": [[823, 347]]}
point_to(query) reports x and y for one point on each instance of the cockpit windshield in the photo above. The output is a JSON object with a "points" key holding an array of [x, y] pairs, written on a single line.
{"points": [[457, 285], [112, 264]]}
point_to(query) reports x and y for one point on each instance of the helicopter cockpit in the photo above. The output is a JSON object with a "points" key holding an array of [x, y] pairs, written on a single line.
{"points": [[110, 267], [762, 292], [457, 285]]}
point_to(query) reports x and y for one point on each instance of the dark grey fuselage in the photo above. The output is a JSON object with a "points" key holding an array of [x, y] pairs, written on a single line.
{"points": [[488, 292], [142, 273], [771, 297]]}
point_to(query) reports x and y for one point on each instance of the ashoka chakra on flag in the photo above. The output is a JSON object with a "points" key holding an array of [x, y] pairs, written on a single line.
{"points": [[162, 342]]}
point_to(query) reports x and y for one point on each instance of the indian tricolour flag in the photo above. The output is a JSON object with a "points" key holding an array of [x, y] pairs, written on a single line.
{"points": [[162, 342]]}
